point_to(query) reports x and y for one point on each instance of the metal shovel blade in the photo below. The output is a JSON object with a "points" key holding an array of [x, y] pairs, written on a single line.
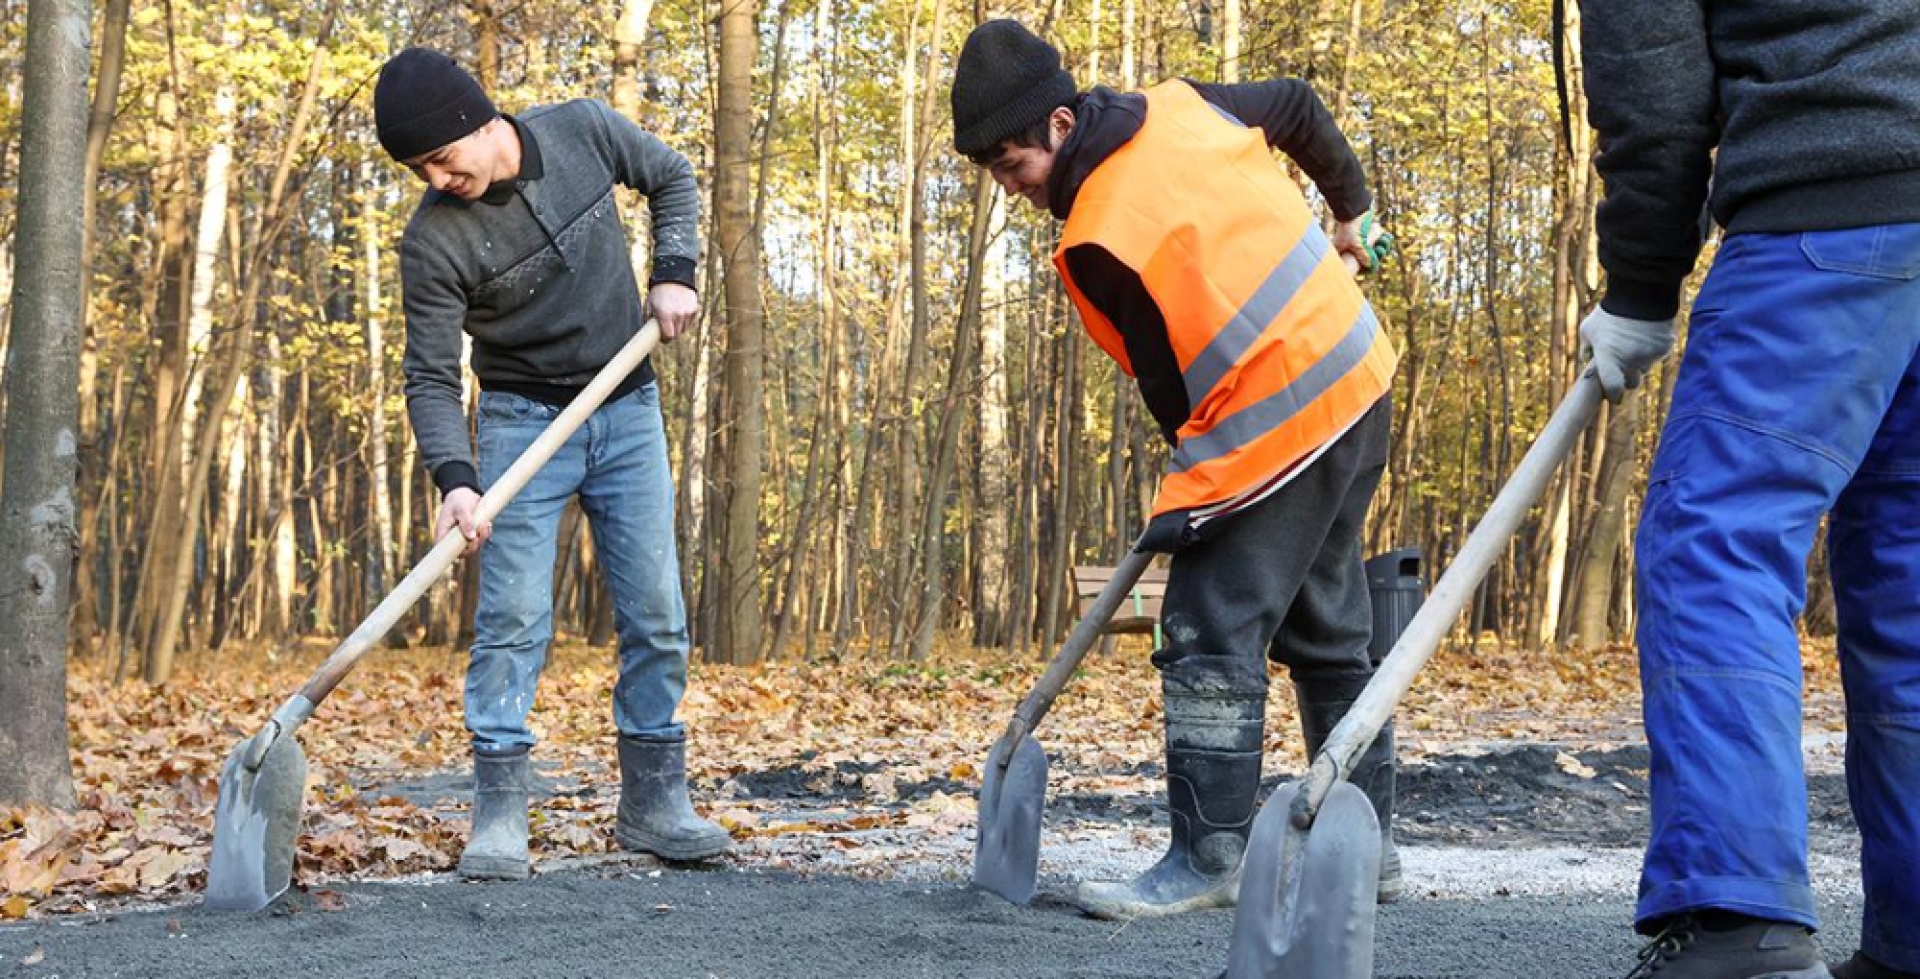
{"points": [[256, 821], [1307, 897], [1006, 859]]}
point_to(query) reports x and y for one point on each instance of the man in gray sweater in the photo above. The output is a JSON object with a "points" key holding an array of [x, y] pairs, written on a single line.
{"points": [[1797, 126], [518, 242]]}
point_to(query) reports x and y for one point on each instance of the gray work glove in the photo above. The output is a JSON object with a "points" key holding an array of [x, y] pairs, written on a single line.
{"points": [[1623, 349]]}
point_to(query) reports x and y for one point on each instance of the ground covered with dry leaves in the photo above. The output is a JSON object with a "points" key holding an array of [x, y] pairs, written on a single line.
{"points": [[856, 766]]}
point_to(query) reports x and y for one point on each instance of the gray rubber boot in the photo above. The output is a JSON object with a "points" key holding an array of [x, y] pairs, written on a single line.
{"points": [[497, 849], [655, 814], [1323, 701], [1213, 778]]}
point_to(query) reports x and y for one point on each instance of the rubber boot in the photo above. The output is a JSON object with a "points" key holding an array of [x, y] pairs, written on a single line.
{"points": [[497, 849], [655, 814], [1323, 701], [1213, 778]]}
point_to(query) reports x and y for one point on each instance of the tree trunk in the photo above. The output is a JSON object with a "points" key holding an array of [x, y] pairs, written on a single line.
{"points": [[164, 448], [739, 637], [232, 368], [991, 622], [42, 371], [182, 503], [629, 39], [960, 379], [906, 472], [486, 42], [1230, 43], [380, 563], [1617, 466]]}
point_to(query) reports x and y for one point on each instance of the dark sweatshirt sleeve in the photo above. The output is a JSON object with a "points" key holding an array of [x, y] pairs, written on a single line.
{"points": [[1298, 124], [1650, 94], [641, 161], [436, 310], [1116, 291]]}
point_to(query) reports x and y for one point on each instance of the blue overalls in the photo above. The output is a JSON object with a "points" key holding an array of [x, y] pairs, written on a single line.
{"points": [[1799, 397]]}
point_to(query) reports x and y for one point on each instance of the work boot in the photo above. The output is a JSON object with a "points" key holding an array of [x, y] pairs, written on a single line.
{"points": [[1324, 700], [1724, 945], [1861, 967], [497, 849], [655, 814], [1213, 778]]}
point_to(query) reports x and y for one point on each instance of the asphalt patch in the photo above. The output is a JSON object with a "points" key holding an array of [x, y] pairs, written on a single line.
{"points": [[738, 924]]}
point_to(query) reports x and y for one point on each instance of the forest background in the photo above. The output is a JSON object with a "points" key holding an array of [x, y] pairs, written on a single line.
{"points": [[890, 435]]}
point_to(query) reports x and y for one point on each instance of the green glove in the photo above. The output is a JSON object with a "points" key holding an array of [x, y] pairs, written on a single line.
{"points": [[1376, 239]]}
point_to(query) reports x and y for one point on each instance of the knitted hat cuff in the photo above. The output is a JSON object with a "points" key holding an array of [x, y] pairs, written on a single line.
{"points": [[1016, 116]]}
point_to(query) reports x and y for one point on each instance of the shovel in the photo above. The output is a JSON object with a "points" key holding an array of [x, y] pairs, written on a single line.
{"points": [[262, 782], [1006, 856], [1313, 859]]}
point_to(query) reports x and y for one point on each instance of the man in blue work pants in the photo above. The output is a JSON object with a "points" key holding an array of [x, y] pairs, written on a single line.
{"points": [[1799, 396], [1793, 126]]}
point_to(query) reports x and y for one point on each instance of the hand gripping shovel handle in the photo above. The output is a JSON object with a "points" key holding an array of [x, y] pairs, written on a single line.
{"points": [[1079, 641], [300, 706], [1352, 736]]}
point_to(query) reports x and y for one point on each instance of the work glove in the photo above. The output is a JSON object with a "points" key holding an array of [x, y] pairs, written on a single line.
{"points": [[1623, 349], [1363, 243], [1376, 240]]}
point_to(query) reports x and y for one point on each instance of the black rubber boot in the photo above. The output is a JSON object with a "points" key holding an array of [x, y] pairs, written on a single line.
{"points": [[1862, 967], [1213, 777], [1722, 945], [497, 849], [655, 814], [1324, 700]]}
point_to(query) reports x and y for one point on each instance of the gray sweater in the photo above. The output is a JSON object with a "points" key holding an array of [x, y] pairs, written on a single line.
{"points": [[538, 271], [1813, 107]]}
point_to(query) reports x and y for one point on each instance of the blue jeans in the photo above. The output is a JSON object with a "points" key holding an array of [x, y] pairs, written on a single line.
{"points": [[616, 464], [1799, 397]]}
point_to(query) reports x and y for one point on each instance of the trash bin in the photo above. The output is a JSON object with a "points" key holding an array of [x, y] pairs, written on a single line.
{"points": [[1397, 582]]}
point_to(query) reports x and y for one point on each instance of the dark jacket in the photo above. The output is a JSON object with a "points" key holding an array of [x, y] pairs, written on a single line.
{"points": [[1295, 122], [1813, 106], [537, 272]]}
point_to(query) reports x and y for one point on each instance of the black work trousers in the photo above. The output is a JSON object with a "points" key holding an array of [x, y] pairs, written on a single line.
{"points": [[1281, 580]]}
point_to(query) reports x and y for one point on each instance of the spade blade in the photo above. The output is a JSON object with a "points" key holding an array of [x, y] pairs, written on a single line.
{"points": [[1006, 857], [1307, 899], [255, 824]]}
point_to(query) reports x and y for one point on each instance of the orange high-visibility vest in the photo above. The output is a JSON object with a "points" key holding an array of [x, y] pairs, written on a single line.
{"points": [[1279, 351]]}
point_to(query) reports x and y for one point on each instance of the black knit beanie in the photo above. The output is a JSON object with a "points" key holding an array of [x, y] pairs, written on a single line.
{"points": [[1008, 79], [424, 101]]}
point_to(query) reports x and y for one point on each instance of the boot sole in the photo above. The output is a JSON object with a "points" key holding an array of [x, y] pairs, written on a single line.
{"points": [[1225, 895], [1391, 891], [682, 851], [493, 868]]}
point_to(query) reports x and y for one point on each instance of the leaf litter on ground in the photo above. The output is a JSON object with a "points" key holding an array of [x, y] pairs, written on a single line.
{"points": [[869, 760]]}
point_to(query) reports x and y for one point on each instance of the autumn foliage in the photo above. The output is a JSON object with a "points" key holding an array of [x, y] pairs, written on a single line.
{"points": [[801, 760]]}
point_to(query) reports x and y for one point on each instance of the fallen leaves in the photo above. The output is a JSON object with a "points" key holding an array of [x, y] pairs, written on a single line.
{"points": [[1574, 766], [866, 758]]}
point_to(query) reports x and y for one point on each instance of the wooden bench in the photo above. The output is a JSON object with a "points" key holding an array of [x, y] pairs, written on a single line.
{"points": [[1139, 613]]}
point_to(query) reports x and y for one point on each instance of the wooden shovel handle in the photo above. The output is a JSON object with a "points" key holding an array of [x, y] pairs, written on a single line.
{"points": [[1352, 736], [1079, 641], [448, 549]]}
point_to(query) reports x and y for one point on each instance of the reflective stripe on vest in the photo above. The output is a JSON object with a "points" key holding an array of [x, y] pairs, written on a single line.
{"points": [[1277, 348]]}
